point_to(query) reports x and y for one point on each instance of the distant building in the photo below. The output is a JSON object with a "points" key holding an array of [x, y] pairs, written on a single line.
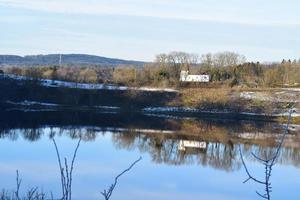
{"points": [[186, 77], [188, 144]]}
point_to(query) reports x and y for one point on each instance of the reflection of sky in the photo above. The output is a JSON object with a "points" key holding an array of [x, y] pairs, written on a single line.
{"points": [[99, 161]]}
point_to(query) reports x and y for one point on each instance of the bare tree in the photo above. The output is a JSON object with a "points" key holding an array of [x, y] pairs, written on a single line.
{"points": [[222, 59], [268, 163], [177, 61], [207, 60]]}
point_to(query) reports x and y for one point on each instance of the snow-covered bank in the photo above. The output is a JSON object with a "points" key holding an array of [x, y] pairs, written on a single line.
{"points": [[87, 86], [35, 106], [280, 95], [278, 113], [292, 89], [108, 107], [31, 103]]}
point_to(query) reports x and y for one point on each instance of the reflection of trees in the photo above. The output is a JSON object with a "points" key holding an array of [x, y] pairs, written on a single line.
{"points": [[292, 154], [32, 134], [86, 134], [223, 156], [286, 155], [11, 134], [163, 148], [125, 141]]}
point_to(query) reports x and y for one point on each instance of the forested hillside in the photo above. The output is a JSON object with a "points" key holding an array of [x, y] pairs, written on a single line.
{"points": [[66, 59]]}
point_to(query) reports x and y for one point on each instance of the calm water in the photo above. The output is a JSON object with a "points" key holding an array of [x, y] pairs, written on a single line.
{"points": [[111, 142]]}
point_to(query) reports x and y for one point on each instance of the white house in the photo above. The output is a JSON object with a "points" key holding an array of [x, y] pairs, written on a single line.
{"points": [[184, 144], [185, 77]]}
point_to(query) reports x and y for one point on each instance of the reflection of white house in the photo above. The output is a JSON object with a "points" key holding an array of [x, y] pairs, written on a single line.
{"points": [[184, 144], [185, 77]]}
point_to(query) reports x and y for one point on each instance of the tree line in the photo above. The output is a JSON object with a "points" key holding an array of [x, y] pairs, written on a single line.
{"points": [[224, 68]]}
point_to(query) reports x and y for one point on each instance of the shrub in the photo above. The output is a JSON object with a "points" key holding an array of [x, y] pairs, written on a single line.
{"points": [[124, 76]]}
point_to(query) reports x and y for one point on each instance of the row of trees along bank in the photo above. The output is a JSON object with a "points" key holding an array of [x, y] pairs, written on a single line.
{"points": [[225, 68]]}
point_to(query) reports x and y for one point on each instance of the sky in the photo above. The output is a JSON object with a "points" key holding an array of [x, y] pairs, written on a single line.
{"points": [[262, 30]]}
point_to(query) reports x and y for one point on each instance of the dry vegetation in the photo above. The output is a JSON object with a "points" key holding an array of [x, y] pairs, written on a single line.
{"points": [[226, 69], [229, 75], [214, 96], [223, 99]]}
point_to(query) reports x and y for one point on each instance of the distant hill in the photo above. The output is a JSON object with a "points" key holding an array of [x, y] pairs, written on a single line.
{"points": [[66, 59]]}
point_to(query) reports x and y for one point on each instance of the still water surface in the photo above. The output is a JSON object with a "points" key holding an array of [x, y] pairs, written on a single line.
{"points": [[210, 170]]}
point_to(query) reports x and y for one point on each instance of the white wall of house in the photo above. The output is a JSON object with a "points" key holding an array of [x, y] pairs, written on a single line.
{"points": [[185, 77], [183, 144]]}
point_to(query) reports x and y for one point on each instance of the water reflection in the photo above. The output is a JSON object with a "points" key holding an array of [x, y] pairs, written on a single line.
{"points": [[198, 144], [167, 146]]}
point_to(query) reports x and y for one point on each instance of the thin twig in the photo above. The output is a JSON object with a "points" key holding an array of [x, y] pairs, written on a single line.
{"points": [[72, 165], [107, 194], [18, 185], [66, 173]]}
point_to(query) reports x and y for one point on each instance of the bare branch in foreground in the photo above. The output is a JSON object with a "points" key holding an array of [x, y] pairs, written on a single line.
{"points": [[18, 185], [107, 194], [66, 174], [268, 164]]}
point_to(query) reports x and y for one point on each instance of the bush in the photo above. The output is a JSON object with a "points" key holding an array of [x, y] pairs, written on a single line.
{"points": [[124, 76], [88, 76]]}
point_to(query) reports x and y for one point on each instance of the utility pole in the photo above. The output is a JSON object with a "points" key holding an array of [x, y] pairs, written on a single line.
{"points": [[59, 60]]}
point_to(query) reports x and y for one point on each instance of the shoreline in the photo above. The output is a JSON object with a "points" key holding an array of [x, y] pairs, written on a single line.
{"points": [[48, 95], [161, 112]]}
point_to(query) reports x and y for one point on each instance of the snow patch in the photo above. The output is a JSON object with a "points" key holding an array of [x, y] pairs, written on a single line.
{"points": [[108, 107], [31, 110], [278, 113], [170, 109], [168, 116], [31, 103], [182, 110], [286, 95], [292, 89], [87, 86]]}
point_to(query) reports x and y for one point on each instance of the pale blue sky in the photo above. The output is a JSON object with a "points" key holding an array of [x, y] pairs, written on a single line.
{"points": [[263, 30]]}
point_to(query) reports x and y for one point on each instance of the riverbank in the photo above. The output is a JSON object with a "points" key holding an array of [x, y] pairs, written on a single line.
{"points": [[20, 93]]}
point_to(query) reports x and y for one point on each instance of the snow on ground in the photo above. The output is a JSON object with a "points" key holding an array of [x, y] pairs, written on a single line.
{"points": [[292, 89], [87, 86], [274, 114], [182, 110], [31, 103], [108, 107], [170, 109], [168, 116], [254, 95], [277, 113], [284, 95], [32, 110], [29, 106]]}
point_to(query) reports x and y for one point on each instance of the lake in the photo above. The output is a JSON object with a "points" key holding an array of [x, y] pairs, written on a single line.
{"points": [[182, 158]]}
